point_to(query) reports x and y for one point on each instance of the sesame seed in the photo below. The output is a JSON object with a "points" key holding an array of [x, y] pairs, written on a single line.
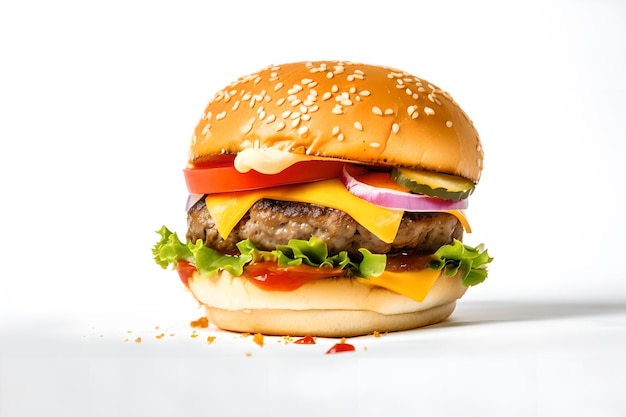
{"points": [[334, 88], [352, 90], [374, 145], [294, 115], [429, 111], [278, 86], [295, 89], [262, 115], [308, 103], [358, 71], [295, 122], [257, 80], [365, 93], [411, 109], [377, 110], [247, 128], [340, 137], [313, 93], [326, 96], [337, 109], [285, 114], [350, 78], [449, 123], [296, 102], [236, 105], [270, 118], [221, 115], [247, 96], [209, 115], [335, 130], [313, 108], [395, 128], [329, 75], [408, 91], [306, 81], [280, 126], [358, 126], [346, 102], [312, 84], [306, 117], [206, 128], [303, 108], [280, 101], [389, 112], [303, 130]]}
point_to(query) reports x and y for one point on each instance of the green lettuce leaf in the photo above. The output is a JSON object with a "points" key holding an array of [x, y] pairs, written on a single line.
{"points": [[455, 257], [169, 250], [452, 258]]}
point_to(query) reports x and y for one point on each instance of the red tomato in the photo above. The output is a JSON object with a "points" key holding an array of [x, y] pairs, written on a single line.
{"points": [[271, 276], [185, 271], [220, 176]]}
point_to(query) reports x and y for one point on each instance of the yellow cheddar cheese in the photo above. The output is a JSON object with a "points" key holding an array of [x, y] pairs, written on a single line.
{"points": [[413, 284]]}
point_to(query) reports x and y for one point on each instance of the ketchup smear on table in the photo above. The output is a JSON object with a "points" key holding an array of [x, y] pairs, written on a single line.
{"points": [[306, 340], [340, 347]]}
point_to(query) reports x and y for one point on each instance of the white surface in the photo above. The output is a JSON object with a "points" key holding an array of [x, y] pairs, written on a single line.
{"points": [[97, 104]]}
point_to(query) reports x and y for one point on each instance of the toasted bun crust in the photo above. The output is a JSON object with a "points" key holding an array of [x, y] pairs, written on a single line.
{"points": [[328, 308], [363, 113]]}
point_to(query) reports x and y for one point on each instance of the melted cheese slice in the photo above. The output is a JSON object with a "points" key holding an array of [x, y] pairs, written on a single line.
{"points": [[228, 208], [413, 284]]}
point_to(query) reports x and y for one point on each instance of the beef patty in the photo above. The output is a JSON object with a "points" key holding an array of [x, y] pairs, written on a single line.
{"points": [[270, 222]]}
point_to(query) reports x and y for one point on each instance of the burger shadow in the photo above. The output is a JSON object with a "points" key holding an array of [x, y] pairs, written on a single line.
{"points": [[490, 312]]}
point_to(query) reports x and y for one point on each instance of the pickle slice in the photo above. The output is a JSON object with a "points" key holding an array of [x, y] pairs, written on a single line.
{"points": [[434, 184]]}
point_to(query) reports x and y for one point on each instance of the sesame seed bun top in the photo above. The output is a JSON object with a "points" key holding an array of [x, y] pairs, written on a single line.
{"points": [[358, 112]]}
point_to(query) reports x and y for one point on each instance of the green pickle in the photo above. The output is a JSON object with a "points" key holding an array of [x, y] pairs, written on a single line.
{"points": [[434, 184]]}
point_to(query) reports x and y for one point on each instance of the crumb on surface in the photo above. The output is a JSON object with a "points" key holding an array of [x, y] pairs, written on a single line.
{"points": [[210, 339], [202, 323], [258, 339], [138, 340]]}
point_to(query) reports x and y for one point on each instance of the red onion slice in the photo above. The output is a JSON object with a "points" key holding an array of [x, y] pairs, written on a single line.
{"points": [[398, 200], [191, 200]]}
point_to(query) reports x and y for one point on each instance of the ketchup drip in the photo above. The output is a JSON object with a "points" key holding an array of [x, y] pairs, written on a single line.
{"points": [[340, 347]]}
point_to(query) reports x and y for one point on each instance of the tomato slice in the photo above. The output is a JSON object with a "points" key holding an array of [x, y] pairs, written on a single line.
{"points": [[185, 271], [273, 277], [221, 176]]}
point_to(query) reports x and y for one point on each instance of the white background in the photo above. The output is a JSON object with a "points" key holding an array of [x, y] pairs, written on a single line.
{"points": [[97, 104]]}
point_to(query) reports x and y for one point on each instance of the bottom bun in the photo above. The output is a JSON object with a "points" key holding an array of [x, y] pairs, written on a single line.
{"points": [[334, 307], [323, 323]]}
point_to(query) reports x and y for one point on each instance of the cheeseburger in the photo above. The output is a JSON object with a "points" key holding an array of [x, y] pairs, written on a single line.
{"points": [[327, 199]]}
